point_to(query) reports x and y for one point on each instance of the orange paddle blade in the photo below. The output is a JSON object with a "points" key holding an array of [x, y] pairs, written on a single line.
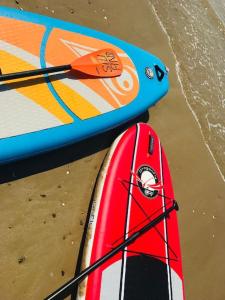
{"points": [[101, 63]]}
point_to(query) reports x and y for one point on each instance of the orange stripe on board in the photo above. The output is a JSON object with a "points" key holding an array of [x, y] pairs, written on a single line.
{"points": [[34, 88], [77, 104], [25, 35]]}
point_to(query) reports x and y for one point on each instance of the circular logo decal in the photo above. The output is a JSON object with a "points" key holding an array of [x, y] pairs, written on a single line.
{"points": [[146, 179]]}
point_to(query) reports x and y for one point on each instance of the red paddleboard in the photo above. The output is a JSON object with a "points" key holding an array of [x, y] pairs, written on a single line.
{"points": [[133, 188]]}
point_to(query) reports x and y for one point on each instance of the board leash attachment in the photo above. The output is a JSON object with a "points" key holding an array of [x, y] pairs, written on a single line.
{"points": [[101, 63], [64, 291]]}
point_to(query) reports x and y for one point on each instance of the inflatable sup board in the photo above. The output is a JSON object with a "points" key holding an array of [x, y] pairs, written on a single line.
{"points": [[133, 188], [49, 111]]}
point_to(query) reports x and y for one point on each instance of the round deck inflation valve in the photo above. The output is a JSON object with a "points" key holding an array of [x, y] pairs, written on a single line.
{"points": [[149, 73]]}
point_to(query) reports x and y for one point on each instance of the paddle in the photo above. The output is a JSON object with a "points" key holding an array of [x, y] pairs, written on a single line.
{"points": [[63, 291], [101, 63]]}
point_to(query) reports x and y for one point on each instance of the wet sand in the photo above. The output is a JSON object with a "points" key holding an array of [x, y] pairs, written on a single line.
{"points": [[44, 200]]}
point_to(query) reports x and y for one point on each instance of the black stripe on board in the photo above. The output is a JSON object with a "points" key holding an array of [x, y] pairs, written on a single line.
{"points": [[146, 279]]}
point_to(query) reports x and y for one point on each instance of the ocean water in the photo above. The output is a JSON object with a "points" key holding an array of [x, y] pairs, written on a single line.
{"points": [[196, 30], [219, 8]]}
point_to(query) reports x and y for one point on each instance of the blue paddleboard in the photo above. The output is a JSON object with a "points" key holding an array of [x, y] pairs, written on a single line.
{"points": [[50, 111]]}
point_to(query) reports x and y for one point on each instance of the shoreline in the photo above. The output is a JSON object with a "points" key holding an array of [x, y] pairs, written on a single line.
{"points": [[199, 68], [178, 71]]}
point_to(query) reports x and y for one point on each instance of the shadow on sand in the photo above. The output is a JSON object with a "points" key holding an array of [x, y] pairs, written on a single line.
{"points": [[50, 160]]}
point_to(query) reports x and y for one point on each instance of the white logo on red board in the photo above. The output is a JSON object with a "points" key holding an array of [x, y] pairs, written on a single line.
{"points": [[148, 181]]}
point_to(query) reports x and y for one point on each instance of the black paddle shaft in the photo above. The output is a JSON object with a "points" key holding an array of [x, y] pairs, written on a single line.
{"points": [[62, 292], [36, 72]]}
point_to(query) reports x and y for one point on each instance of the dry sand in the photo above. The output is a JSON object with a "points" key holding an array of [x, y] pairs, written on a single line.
{"points": [[44, 200]]}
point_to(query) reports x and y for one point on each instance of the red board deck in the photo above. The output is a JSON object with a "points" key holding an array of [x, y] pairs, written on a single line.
{"points": [[133, 188]]}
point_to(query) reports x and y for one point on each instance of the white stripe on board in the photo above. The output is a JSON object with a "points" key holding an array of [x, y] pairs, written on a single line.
{"points": [[91, 96], [20, 53], [19, 115], [128, 215], [177, 286], [110, 286], [164, 223]]}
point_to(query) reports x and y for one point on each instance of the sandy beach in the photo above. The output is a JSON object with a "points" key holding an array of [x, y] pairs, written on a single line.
{"points": [[44, 200]]}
